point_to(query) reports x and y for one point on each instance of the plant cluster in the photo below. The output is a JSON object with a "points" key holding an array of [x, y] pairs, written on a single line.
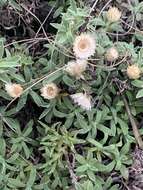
{"points": [[71, 118]]}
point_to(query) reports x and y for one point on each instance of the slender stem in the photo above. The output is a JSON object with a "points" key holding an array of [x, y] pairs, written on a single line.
{"points": [[71, 166], [133, 123]]}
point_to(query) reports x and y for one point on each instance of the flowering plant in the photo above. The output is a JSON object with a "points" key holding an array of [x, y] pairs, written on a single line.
{"points": [[71, 112]]}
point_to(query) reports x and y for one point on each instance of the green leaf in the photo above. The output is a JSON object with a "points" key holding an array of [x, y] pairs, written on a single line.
{"points": [[56, 25], [28, 128], [68, 81], [123, 126], [137, 83], [73, 5], [26, 150], [15, 5], [1, 128], [15, 182], [98, 184], [89, 185], [80, 159], [125, 148], [45, 112], [124, 172], [115, 187], [82, 168], [108, 183], [5, 78], [69, 121], [37, 99], [32, 178], [68, 103], [95, 143], [3, 2], [2, 147], [58, 12], [91, 175], [139, 94], [59, 114], [13, 124], [139, 36], [98, 116], [22, 101], [78, 186], [113, 128], [27, 73], [53, 77], [18, 77], [110, 166], [13, 158], [10, 62], [1, 48], [82, 124]]}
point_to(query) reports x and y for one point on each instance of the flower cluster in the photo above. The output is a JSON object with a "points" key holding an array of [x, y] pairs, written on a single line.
{"points": [[84, 46]]}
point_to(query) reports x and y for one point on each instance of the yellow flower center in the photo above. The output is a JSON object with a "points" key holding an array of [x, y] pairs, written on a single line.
{"points": [[50, 91], [17, 90], [83, 44]]}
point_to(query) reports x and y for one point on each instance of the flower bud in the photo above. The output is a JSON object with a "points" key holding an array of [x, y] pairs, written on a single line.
{"points": [[76, 68], [83, 100], [14, 90], [133, 72], [111, 54], [113, 14]]}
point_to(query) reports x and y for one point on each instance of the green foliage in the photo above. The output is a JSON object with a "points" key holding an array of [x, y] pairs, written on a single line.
{"points": [[54, 144]]}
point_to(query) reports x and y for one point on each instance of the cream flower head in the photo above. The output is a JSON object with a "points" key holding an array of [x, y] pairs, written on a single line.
{"points": [[49, 91], [76, 68], [113, 14], [111, 54], [133, 72], [84, 46], [14, 90], [83, 100]]}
